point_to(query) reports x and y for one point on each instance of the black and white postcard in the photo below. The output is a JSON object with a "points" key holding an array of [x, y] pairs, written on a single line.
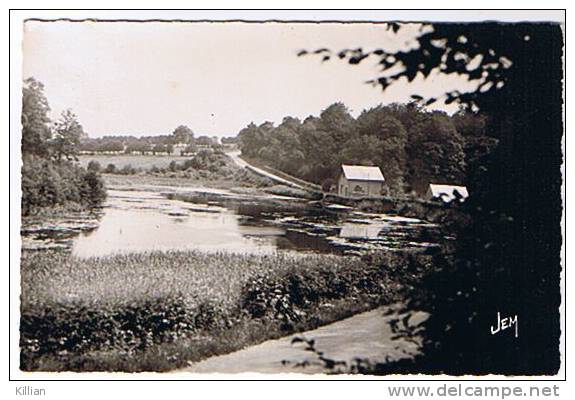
{"points": [[287, 197]]}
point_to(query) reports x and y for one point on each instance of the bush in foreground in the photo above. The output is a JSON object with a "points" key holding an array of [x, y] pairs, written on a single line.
{"points": [[132, 305]]}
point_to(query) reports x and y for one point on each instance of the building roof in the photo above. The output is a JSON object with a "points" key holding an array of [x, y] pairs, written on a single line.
{"points": [[447, 192], [362, 173]]}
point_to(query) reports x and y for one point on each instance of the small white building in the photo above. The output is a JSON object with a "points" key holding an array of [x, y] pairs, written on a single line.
{"points": [[179, 148], [446, 193], [360, 181]]}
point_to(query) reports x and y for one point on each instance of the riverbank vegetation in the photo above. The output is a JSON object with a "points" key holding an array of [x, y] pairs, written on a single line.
{"points": [[206, 160], [246, 182], [216, 171], [204, 167], [50, 179], [159, 310]]}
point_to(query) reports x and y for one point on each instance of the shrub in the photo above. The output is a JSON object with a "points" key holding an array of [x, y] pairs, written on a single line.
{"points": [[93, 190], [46, 183], [173, 167], [77, 328], [110, 169], [94, 166], [128, 170], [189, 163]]}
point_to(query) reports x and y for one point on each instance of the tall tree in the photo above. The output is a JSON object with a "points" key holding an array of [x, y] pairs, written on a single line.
{"points": [[48, 178], [436, 153], [35, 121], [287, 146], [182, 134], [337, 120], [66, 137], [392, 156], [363, 150], [321, 152], [248, 140]]}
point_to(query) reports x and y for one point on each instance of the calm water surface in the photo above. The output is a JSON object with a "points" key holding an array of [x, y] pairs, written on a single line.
{"points": [[146, 220]]}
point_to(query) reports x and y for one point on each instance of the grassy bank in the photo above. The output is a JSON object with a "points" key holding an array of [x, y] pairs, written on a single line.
{"points": [[204, 166], [242, 179], [158, 310], [212, 170], [69, 210]]}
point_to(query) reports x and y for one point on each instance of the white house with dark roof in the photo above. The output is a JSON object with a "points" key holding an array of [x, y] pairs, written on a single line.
{"points": [[446, 193], [360, 181]]}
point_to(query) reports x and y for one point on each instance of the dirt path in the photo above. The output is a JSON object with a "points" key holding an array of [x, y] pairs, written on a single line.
{"points": [[235, 156], [366, 335]]}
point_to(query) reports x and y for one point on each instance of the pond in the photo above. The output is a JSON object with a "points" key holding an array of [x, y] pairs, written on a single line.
{"points": [[218, 220]]}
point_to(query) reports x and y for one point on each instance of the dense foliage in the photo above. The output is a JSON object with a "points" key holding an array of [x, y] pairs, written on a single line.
{"points": [[413, 147], [49, 149], [49, 184], [74, 309], [507, 258]]}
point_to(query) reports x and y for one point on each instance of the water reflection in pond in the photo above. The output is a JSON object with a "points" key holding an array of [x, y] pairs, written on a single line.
{"points": [[360, 231], [144, 221]]}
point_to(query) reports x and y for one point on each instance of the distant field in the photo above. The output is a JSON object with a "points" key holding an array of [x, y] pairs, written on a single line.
{"points": [[136, 161]]}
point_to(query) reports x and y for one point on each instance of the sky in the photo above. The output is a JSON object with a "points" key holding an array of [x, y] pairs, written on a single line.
{"points": [[129, 78]]}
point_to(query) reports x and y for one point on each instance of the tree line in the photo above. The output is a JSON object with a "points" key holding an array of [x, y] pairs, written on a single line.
{"points": [[412, 146], [50, 178], [182, 135]]}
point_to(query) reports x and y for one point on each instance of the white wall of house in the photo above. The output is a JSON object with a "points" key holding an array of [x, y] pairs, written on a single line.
{"points": [[356, 188], [446, 192]]}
